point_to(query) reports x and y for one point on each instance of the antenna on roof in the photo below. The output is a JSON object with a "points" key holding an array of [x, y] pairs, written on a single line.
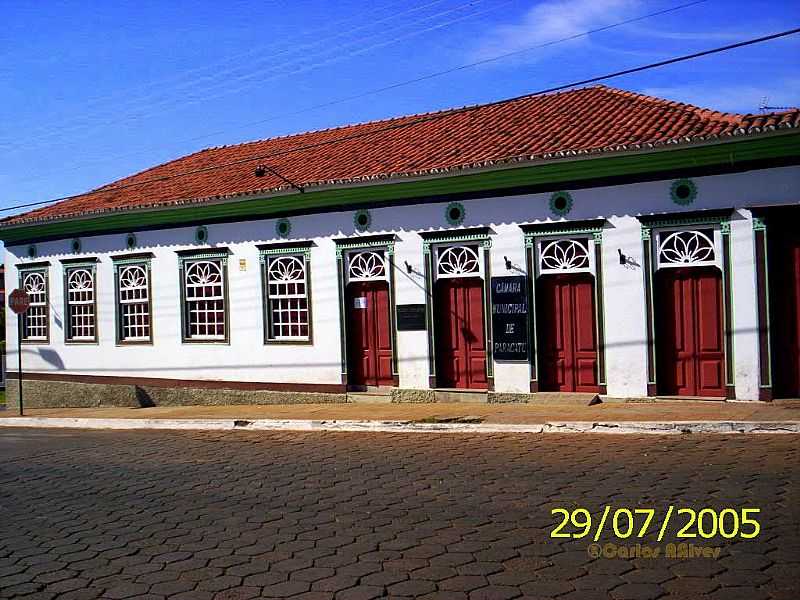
{"points": [[764, 107]]}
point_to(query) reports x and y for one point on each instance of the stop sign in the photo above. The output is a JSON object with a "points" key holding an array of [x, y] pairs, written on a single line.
{"points": [[19, 301]]}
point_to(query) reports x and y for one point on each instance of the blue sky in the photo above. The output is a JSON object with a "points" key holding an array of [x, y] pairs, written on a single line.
{"points": [[91, 92]]}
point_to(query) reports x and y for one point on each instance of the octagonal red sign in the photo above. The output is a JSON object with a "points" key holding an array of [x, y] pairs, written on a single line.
{"points": [[19, 301]]}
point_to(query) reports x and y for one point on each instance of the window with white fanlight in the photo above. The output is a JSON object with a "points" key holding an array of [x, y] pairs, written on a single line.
{"points": [[205, 299], [134, 307], [81, 303], [286, 293], [35, 321]]}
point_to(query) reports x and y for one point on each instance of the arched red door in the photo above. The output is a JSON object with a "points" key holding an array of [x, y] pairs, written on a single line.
{"points": [[689, 332], [459, 334], [369, 338], [567, 333]]}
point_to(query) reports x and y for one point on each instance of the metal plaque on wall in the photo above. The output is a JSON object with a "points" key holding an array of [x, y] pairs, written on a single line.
{"points": [[411, 317], [510, 318]]}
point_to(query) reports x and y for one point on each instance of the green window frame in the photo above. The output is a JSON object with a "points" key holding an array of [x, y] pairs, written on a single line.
{"points": [[80, 303], [133, 297], [286, 290], [36, 320], [205, 303]]}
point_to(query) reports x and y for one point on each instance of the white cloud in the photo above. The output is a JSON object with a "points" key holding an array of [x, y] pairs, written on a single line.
{"points": [[644, 32], [733, 98], [552, 20]]}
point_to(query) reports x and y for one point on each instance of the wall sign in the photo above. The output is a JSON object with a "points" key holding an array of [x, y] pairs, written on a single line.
{"points": [[411, 317], [510, 317]]}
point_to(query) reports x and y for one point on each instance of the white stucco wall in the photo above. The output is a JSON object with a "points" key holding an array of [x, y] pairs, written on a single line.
{"points": [[246, 358]]}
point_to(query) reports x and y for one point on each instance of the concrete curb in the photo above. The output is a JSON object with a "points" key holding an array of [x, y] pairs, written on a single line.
{"points": [[623, 427]]}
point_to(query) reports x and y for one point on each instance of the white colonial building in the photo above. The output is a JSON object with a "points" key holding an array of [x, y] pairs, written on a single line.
{"points": [[592, 241]]}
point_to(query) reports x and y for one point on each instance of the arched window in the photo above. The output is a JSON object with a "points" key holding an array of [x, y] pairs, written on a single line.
{"points": [[288, 315], [35, 322], [205, 310], [134, 308], [81, 307]]}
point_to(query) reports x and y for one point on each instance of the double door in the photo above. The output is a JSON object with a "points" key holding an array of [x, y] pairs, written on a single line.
{"points": [[567, 333], [369, 338], [460, 333], [690, 350]]}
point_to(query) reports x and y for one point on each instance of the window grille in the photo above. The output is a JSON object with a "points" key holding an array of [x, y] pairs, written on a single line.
{"points": [[134, 308], [205, 310], [366, 265], [288, 315], [564, 256], [35, 326], [81, 307], [687, 248], [457, 261]]}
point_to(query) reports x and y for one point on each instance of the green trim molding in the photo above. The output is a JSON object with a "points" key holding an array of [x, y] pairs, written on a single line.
{"points": [[203, 253], [365, 241], [131, 259], [297, 247], [592, 227], [454, 236], [725, 156]]}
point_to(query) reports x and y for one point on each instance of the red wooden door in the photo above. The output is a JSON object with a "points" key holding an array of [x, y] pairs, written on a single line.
{"points": [[369, 338], [460, 339], [784, 265], [567, 333], [689, 332]]}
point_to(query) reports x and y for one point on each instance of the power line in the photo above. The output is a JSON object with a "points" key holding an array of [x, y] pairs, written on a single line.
{"points": [[250, 72], [312, 66], [225, 91], [215, 70], [415, 80], [422, 118]]}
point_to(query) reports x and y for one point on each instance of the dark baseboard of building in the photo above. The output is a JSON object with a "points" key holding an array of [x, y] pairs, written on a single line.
{"points": [[79, 391]]}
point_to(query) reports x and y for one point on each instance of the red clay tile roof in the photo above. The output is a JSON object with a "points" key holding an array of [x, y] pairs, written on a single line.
{"points": [[590, 120]]}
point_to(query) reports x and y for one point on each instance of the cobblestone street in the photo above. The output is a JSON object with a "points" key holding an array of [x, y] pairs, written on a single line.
{"points": [[93, 514]]}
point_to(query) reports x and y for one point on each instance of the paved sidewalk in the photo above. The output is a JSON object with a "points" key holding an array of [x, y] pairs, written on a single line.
{"points": [[659, 418], [660, 411]]}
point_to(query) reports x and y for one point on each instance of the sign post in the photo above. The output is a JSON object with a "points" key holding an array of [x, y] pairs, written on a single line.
{"points": [[19, 301]]}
